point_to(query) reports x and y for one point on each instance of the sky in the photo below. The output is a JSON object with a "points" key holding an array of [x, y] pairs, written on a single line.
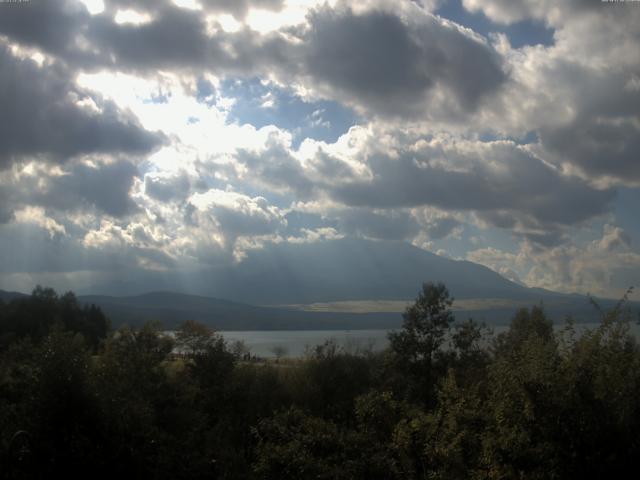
{"points": [[170, 136]]}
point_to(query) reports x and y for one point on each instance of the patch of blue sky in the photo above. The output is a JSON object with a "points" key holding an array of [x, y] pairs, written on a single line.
{"points": [[626, 208], [159, 96], [624, 215], [205, 92], [475, 238], [262, 104], [520, 34]]}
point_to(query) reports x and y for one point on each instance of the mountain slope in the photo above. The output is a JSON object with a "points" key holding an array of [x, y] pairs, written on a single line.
{"points": [[8, 296], [351, 269]]}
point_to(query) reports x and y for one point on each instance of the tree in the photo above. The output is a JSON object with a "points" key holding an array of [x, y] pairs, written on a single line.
{"points": [[279, 351], [36, 315], [417, 347], [193, 338]]}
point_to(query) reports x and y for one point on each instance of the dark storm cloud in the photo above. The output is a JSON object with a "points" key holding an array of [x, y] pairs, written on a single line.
{"points": [[42, 118], [598, 148], [6, 210], [603, 138], [167, 189], [106, 187], [101, 187], [61, 27], [297, 221], [499, 177], [27, 247], [177, 39], [391, 225], [388, 66], [52, 26], [373, 60], [235, 223], [505, 184], [538, 233], [174, 39], [276, 168]]}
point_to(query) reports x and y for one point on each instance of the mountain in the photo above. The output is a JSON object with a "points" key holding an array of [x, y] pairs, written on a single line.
{"points": [[285, 279], [173, 308], [8, 296], [350, 269], [328, 271]]}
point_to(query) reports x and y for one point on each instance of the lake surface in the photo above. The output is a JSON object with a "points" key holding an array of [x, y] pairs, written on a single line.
{"points": [[296, 342]]}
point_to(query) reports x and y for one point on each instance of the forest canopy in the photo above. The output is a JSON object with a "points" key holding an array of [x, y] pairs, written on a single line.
{"points": [[446, 399]]}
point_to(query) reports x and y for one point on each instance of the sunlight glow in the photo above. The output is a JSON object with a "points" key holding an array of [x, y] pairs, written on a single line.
{"points": [[228, 23], [131, 17], [23, 52], [190, 4], [94, 7], [294, 13]]}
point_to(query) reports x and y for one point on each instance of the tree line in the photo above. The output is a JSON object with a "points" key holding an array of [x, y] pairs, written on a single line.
{"points": [[445, 400]]}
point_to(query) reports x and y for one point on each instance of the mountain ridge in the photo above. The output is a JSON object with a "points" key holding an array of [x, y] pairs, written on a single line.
{"points": [[261, 291], [332, 270]]}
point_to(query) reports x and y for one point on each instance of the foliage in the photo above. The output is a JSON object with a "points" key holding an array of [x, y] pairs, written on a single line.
{"points": [[445, 401], [34, 317]]}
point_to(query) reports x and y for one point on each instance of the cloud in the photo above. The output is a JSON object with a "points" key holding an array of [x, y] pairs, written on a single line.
{"points": [[105, 186], [601, 140], [513, 11], [48, 117], [580, 96], [240, 8], [96, 186], [457, 132], [505, 263], [605, 266], [613, 238], [6, 211], [383, 60], [440, 228], [504, 183], [54, 27], [176, 38], [167, 188], [232, 215], [381, 225], [275, 168], [393, 66], [36, 243]]}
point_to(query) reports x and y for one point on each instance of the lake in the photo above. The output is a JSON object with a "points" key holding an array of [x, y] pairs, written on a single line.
{"points": [[295, 342]]}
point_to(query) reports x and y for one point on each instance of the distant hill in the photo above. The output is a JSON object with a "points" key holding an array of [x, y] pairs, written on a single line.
{"points": [[173, 308], [8, 296]]}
